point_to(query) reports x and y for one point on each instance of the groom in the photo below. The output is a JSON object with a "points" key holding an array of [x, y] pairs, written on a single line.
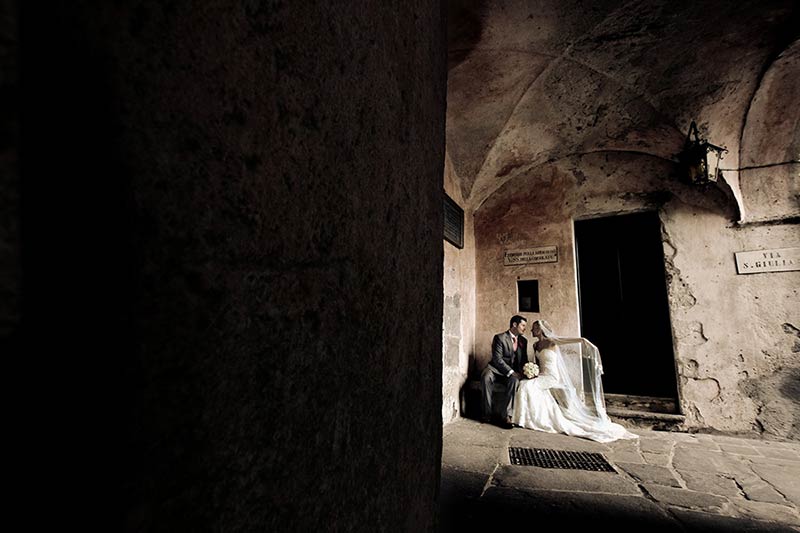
{"points": [[509, 354]]}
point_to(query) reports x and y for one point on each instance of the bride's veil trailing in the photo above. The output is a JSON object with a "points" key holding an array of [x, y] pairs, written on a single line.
{"points": [[580, 370]]}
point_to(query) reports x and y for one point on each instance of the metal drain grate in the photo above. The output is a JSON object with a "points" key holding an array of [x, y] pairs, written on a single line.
{"points": [[559, 459]]}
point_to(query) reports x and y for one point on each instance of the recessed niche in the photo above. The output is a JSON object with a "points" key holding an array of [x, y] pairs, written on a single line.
{"points": [[528, 295]]}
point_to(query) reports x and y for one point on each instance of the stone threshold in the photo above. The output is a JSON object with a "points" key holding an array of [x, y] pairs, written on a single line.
{"points": [[646, 415], [650, 404]]}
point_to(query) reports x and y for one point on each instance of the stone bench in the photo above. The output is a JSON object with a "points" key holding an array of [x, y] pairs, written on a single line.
{"points": [[471, 399]]}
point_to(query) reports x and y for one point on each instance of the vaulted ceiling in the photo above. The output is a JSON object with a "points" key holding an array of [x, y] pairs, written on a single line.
{"points": [[531, 82]]}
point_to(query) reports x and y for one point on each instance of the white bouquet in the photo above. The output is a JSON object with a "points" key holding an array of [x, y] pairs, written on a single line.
{"points": [[531, 370]]}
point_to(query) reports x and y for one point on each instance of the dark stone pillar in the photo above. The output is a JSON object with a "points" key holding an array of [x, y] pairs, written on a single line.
{"points": [[238, 232]]}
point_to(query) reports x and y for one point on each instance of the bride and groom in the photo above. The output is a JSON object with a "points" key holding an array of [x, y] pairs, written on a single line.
{"points": [[566, 396]]}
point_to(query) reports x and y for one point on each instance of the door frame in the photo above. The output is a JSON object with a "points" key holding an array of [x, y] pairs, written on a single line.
{"points": [[577, 285]]}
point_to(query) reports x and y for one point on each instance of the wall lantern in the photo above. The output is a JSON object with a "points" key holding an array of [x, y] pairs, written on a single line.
{"points": [[700, 159]]}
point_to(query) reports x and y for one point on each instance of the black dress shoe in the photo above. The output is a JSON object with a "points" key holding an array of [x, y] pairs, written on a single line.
{"points": [[485, 419], [506, 423]]}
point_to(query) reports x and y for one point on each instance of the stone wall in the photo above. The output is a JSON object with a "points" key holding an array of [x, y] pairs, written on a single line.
{"points": [[458, 330], [735, 336], [241, 284]]}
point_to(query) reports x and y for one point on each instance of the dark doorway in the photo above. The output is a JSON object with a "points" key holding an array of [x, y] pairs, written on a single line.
{"points": [[623, 303]]}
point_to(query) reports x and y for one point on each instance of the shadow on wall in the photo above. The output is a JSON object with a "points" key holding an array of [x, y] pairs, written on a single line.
{"points": [[475, 368], [464, 28], [790, 388], [790, 385], [470, 393], [778, 395]]}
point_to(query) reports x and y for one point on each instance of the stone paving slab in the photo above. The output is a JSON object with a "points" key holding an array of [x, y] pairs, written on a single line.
{"points": [[739, 450], [719, 484], [625, 456], [473, 458], [527, 438], [786, 454], [688, 499], [742, 440], [774, 461], [698, 445], [767, 511], [700, 460], [532, 477], [658, 475], [631, 445], [474, 433], [758, 490], [680, 437], [458, 484], [724, 491], [710, 522], [655, 445], [785, 479], [547, 511], [658, 459]]}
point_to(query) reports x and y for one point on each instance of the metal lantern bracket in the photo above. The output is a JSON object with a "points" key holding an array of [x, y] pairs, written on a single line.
{"points": [[694, 158]]}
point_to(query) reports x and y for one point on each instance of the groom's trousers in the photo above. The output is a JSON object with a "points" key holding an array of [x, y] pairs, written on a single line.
{"points": [[489, 379]]}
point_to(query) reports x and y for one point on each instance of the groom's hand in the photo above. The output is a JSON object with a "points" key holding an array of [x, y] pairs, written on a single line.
{"points": [[518, 376]]}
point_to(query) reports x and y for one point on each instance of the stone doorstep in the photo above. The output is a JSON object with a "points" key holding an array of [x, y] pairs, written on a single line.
{"points": [[646, 419], [646, 415], [650, 404]]}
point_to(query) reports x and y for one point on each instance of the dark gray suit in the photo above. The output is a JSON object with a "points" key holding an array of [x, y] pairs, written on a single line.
{"points": [[504, 361]]}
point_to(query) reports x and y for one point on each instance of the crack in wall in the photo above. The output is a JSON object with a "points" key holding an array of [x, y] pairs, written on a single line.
{"points": [[678, 288]]}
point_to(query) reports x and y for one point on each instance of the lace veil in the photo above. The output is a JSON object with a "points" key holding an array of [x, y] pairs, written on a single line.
{"points": [[580, 370]]}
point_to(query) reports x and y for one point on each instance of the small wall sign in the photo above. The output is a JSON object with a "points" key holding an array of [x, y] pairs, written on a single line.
{"points": [[541, 254], [777, 260]]}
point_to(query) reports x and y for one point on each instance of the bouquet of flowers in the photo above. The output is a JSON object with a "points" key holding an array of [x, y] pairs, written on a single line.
{"points": [[531, 370]]}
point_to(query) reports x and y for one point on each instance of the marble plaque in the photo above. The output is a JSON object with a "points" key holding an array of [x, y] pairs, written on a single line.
{"points": [[541, 254], [776, 260]]}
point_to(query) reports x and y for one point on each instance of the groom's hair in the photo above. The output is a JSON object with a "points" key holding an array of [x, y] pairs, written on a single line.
{"points": [[516, 319]]}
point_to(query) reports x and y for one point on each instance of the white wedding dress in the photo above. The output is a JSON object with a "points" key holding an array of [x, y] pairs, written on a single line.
{"points": [[551, 403]]}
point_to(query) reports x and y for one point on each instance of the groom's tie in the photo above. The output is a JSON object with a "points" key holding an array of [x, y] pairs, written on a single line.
{"points": [[513, 351]]}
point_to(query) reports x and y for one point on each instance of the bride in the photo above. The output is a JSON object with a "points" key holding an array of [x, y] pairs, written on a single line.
{"points": [[567, 395]]}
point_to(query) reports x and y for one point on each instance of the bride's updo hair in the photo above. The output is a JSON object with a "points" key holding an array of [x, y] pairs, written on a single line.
{"points": [[546, 328]]}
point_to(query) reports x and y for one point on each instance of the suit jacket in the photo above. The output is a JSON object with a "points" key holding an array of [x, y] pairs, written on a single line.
{"points": [[504, 358]]}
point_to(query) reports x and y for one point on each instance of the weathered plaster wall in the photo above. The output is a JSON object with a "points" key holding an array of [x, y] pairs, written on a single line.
{"points": [[458, 330], [244, 268], [770, 156], [769, 317], [735, 336], [523, 214]]}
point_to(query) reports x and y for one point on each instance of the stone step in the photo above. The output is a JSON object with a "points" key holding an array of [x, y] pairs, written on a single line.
{"points": [[645, 415], [646, 419], [651, 404]]}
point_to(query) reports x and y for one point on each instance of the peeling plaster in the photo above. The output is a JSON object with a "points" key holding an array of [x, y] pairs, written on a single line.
{"points": [[680, 292], [790, 329], [706, 389], [690, 368]]}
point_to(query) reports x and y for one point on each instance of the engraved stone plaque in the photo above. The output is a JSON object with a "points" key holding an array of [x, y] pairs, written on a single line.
{"points": [[541, 254], [776, 260]]}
